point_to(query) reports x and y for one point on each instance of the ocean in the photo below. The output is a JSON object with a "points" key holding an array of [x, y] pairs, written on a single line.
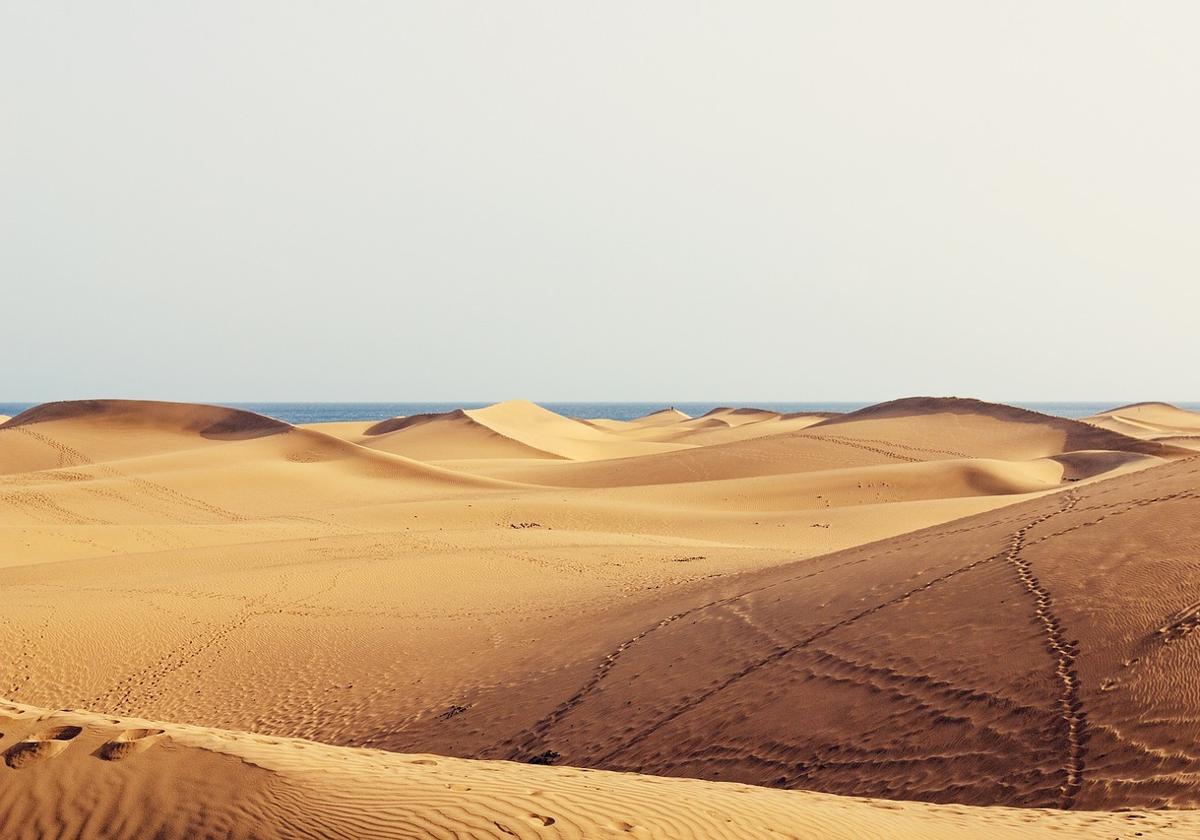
{"points": [[327, 412]]}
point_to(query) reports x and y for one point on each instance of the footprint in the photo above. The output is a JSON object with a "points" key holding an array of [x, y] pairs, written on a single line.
{"points": [[130, 742], [40, 746]]}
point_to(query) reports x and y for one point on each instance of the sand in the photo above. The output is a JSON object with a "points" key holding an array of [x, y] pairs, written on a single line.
{"points": [[927, 600], [1153, 421], [133, 778]]}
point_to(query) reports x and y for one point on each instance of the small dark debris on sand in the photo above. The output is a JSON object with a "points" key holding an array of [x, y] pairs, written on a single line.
{"points": [[453, 711]]}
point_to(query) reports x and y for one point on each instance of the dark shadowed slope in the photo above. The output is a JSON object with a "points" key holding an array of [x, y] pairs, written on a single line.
{"points": [[1040, 655]]}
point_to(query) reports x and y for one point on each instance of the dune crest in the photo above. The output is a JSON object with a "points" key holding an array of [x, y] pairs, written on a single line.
{"points": [[205, 420], [517, 429]]}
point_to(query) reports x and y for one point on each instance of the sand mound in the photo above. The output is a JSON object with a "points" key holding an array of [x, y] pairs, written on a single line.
{"points": [[662, 417], [136, 415], [720, 425], [194, 782], [509, 430], [449, 436], [1041, 655], [1151, 421], [563, 436], [979, 429], [718, 430], [738, 416], [904, 431], [45, 436], [205, 564]]}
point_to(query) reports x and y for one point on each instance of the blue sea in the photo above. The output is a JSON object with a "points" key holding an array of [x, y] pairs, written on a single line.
{"points": [[325, 412]]}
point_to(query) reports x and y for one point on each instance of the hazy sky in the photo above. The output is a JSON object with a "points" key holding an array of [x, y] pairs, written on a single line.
{"points": [[571, 201]]}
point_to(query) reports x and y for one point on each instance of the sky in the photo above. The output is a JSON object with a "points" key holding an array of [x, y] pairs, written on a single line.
{"points": [[222, 201]]}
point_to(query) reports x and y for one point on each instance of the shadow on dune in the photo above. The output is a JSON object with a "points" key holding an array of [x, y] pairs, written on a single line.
{"points": [[1078, 435], [395, 424], [208, 421]]}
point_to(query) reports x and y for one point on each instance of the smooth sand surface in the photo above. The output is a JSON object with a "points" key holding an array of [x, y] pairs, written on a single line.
{"points": [[1153, 421], [744, 596]]}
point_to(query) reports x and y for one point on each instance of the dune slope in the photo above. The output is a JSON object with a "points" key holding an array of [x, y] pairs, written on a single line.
{"points": [[130, 778], [48, 435], [1152, 421], [903, 431], [513, 429], [1040, 655]]}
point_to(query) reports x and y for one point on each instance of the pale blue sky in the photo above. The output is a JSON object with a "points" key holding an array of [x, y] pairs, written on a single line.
{"points": [[570, 201]]}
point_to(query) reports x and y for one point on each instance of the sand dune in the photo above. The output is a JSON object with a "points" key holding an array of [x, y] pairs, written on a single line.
{"points": [[319, 537], [904, 431], [456, 434], [82, 435], [662, 417], [973, 428], [507, 583], [514, 429], [1153, 421], [720, 425], [147, 778], [114, 429], [740, 416], [1039, 655]]}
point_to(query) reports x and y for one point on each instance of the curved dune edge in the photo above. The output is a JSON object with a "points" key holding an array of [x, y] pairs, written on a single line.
{"points": [[663, 415], [84, 433], [1152, 421], [210, 421], [513, 429], [137, 778], [450, 435]]}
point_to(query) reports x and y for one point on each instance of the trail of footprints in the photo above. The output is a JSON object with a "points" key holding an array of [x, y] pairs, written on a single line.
{"points": [[866, 443], [23, 662], [47, 742], [1069, 703], [1065, 653], [528, 741], [856, 444], [152, 490]]}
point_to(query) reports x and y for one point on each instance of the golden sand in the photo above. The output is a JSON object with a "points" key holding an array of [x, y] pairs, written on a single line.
{"points": [[937, 600]]}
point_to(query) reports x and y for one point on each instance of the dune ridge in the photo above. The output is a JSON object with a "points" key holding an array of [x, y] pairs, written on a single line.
{"points": [[207, 421], [513, 429]]}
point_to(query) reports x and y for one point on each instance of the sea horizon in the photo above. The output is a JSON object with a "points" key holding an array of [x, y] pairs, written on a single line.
{"points": [[333, 411]]}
